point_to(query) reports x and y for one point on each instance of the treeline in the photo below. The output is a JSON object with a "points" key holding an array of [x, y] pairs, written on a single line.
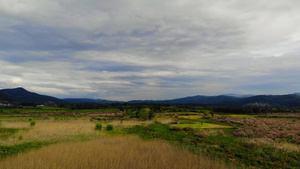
{"points": [[254, 110]]}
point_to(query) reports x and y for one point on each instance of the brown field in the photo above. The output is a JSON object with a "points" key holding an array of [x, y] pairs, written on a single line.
{"points": [[111, 152], [276, 129]]}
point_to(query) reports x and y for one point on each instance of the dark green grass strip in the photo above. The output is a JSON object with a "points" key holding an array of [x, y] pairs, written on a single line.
{"points": [[6, 151], [6, 132]]}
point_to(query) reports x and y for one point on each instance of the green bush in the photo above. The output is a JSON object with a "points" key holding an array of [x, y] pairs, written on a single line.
{"points": [[20, 138], [32, 123], [98, 126], [143, 114], [109, 127]]}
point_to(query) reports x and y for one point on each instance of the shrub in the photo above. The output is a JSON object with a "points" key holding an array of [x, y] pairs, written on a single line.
{"points": [[221, 133], [188, 129], [177, 128], [32, 123], [20, 138], [206, 117], [98, 126], [109, 127], [143, 113], [200, 134]]}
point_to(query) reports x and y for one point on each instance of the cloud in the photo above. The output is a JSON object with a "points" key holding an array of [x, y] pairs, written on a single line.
{"points": [[149, 49], [16, 80]]}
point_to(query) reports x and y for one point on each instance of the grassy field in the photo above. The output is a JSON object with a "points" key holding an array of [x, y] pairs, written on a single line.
{"points": [[223, 145], [197, 142], [111, 152], [74, 143]]}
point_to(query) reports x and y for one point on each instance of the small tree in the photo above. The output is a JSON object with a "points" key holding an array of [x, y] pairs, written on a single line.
{"points": [[130, 113], [32, 123], [143, 113], [109, 127], [98, 126]]}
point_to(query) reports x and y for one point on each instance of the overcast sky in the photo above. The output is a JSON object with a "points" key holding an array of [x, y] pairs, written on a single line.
{"points": [[150, 49]]}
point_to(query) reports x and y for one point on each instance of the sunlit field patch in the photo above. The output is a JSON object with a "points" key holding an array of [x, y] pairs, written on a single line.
{"points": [[203, 125], [190, 117]]}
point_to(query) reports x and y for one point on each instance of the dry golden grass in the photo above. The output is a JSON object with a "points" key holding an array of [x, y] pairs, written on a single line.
{"points": [[51, 131], [289, 147], [128, 123], [61, 130], [113, 153]]}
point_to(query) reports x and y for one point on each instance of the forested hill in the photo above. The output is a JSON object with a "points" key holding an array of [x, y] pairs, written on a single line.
{"points": [[271, 100], [86, 100], [24, 96]]}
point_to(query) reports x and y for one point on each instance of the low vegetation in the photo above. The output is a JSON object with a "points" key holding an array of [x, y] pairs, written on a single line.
{"points": [[193, 136], [109, 127], [98, 126], [276, 129], [221, 146]]}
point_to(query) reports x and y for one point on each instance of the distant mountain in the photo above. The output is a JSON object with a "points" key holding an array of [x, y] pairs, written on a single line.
{"points": [[192, 99], [238, 95], [22, 95], [297, 94], [4, 98], [204, 99], [272, 100], [85, 100]]}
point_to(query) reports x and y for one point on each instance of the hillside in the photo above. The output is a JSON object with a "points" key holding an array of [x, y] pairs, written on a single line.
{"points": [[22, 95], [273, 100], [86, 100], [5, 98]]}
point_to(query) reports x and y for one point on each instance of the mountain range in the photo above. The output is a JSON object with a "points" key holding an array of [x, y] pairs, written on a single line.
{"points": [[23, 96]]}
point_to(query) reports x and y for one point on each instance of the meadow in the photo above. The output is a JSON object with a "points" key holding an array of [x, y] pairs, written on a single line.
{"points": [[66, 139]]}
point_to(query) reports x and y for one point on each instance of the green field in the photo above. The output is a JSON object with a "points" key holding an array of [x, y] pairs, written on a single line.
{"points": [[204, 125]]}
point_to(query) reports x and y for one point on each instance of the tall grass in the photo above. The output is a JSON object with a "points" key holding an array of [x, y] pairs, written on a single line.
{"points": [[51, 131], [113, 152], [59, 131]]}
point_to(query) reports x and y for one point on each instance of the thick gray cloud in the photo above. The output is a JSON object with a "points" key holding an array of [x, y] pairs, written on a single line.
{"points": [[150, 49]]}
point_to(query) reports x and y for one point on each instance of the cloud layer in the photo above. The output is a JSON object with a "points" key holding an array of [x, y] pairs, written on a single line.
{"points": [[133, 49]]}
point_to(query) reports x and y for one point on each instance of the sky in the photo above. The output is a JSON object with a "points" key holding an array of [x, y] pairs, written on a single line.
{"points": [[150, 49]]}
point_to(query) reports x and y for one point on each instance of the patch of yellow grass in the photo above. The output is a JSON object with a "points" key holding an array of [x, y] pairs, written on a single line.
{"points": [[62, 130], [191, 117], [113, 153], [51, 131], [290, 147], [287, 146]]}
